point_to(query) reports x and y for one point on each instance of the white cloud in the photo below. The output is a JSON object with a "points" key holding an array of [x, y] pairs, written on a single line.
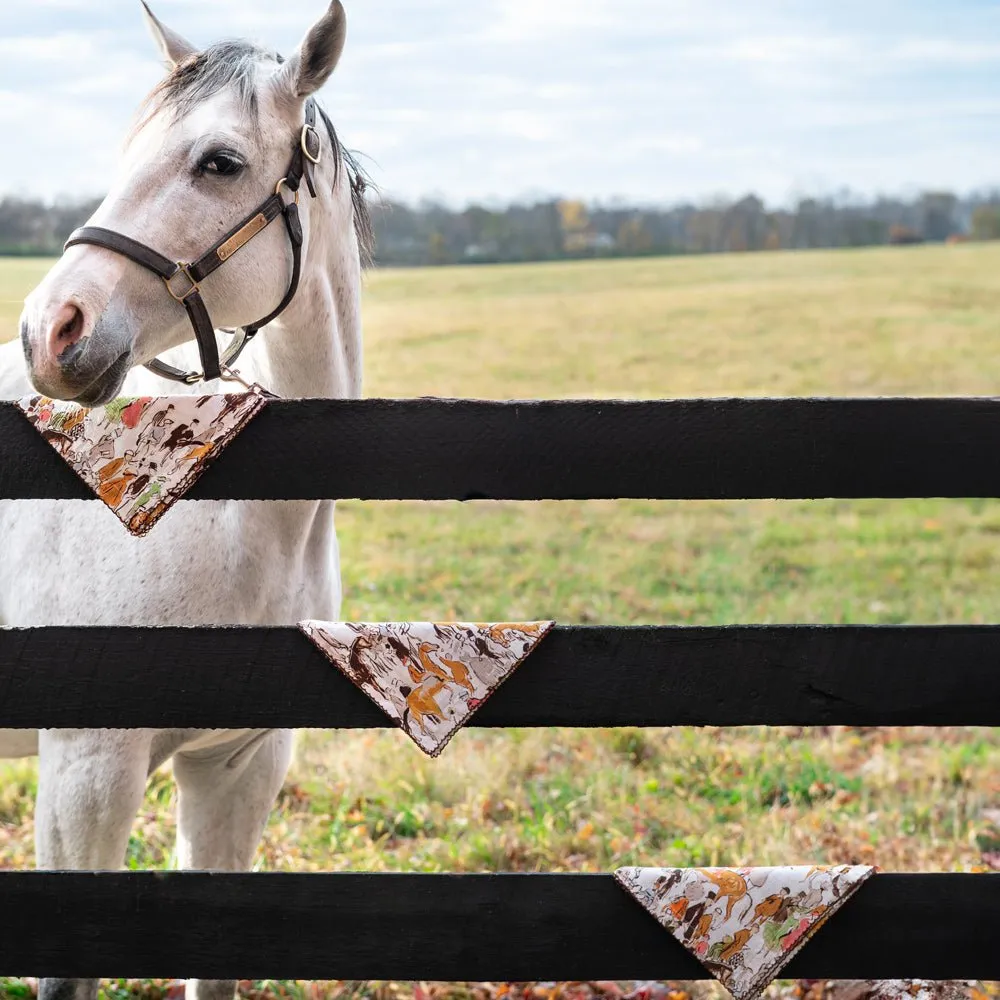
{"points": [[71, 150], [48, 48], [63, 4], [946, 51], [781, 50]]}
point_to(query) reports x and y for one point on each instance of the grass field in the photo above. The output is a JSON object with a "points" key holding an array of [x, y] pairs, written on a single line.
{"points": [[887, 321]]}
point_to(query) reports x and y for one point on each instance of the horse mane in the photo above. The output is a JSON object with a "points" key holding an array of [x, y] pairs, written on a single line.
{"points": [[232, 64]]}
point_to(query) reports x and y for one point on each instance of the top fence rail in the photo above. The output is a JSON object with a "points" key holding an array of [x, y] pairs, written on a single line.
{"points": [[458, 449]]}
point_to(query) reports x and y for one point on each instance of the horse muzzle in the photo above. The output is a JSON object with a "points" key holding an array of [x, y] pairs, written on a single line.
{"points": [[72, 356]]}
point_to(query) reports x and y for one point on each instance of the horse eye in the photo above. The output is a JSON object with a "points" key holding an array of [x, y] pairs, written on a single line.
{"points": [[221, 164]]}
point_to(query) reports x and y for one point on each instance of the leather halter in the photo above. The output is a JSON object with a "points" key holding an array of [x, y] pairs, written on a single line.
{"points": [[183, 280]]}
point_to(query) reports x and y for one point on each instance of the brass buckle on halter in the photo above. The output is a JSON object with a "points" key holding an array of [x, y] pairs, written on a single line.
{"points": [[182, 268], [283, 183], [304, 144]]}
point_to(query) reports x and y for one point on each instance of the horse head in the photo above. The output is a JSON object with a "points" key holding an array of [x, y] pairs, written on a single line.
{"points": [[210, 147]]}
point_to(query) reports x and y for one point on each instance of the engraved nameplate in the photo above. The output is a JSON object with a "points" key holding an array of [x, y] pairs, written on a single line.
{"points": [[247, 233]]}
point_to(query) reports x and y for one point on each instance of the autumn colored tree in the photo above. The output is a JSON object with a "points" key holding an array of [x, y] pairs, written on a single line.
{"points": [[575, 225]]}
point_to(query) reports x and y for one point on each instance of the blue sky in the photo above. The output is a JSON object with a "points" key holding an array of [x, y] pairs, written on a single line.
{"points": [[650, 100]]}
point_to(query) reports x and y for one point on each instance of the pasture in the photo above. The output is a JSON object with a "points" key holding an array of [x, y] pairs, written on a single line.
{"points": [[917, 321]]}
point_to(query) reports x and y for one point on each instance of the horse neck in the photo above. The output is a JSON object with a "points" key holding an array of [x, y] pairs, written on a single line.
{"points": [[314, 347]]}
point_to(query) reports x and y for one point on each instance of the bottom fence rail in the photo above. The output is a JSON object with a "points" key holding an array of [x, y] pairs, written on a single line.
{"points": [[509, 927]]}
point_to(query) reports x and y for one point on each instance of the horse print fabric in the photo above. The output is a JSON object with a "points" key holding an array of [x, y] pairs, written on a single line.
{"points": [[428, 677], [141, 454], [743, 924]]}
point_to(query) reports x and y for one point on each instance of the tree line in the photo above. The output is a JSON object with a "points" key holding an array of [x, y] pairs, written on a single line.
{"points": [[431, 233]]}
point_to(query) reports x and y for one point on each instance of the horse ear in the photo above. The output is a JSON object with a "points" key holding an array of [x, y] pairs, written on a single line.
{"points": [[172, 46], [310, 66]]}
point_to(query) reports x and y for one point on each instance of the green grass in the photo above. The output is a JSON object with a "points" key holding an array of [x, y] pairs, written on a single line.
{"points": [[908, 321], [18, 275]]}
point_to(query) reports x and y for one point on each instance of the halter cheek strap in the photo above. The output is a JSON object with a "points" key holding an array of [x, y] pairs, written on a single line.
{"points": [[183, 280]]}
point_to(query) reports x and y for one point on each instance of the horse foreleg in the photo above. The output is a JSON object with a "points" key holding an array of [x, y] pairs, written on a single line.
{"points": [[225, 796], [90, 786]]}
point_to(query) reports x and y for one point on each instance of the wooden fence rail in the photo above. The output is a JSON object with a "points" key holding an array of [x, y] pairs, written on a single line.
{"points": [[439, 449], [451, 927], [578, 676]]}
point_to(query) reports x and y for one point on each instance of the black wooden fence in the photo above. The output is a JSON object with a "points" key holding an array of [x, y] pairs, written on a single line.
{"points": [[370, 926]]}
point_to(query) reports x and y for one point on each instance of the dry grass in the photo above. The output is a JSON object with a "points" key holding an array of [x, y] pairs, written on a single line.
{"points": [[859, 322]]}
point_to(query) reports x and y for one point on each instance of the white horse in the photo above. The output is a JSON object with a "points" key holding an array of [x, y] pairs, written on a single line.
{"points": [[208, 147]]}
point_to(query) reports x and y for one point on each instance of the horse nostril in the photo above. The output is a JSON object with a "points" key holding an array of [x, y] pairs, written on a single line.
{"points": [[70, 331], [67, 329]]}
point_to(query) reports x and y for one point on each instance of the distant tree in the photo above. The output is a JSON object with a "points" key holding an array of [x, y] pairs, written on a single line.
{"points": [[807, 228], [745, 225], [781, 229], [704, 229], [573, 216], [986, 222], [858, 230], [633, 237], [938, 209], [575, 225], [437, 249]]}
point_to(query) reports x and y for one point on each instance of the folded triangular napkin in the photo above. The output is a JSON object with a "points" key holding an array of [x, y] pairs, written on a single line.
{"points": [[743, 924], [140, 454], [428, 677]]}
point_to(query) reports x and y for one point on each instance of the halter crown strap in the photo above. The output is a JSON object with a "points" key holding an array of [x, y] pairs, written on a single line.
{"points": [[183, 280]]}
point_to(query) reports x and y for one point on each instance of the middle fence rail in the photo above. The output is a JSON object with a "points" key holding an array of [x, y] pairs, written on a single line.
{"points": [[801, 675]]}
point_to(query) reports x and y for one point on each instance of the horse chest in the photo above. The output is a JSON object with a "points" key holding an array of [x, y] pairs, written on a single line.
{"points": [[206, 563]]}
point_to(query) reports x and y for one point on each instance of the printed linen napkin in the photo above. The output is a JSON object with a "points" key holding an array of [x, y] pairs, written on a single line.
{"points": [[743, 924], [428, 677], [142, 454]]}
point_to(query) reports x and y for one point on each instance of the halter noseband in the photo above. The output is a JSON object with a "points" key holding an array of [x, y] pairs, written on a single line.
{"points": [[186, 289]]}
